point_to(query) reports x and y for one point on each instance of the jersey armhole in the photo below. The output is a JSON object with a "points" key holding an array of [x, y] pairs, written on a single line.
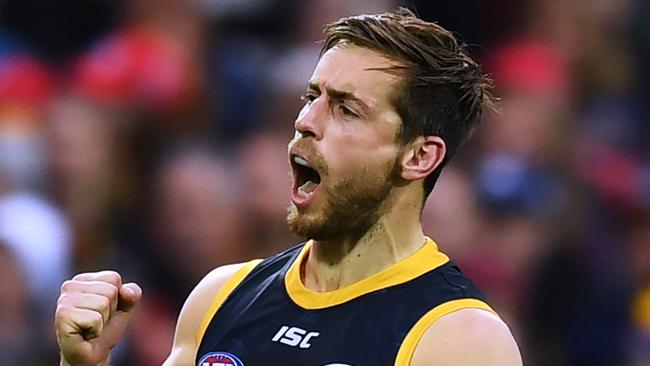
{"points": [[222, 295], [406, 350]]}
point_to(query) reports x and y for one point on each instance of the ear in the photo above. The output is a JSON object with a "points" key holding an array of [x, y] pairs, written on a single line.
{"points": [[422, 156]]}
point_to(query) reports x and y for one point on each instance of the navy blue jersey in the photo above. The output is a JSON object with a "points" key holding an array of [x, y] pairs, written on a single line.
{"points": [[264, 315]]}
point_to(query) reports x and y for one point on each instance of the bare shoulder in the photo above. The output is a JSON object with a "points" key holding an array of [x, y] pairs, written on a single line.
{"points": [[467, 337], [195, 308]]}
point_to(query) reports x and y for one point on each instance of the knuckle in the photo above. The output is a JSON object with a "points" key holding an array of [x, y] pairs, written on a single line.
{"points": [[63, 299], [104, 303], [61, 311], [114, 277], [80, 276], [112, 291], [97, 318], [67, 286]]}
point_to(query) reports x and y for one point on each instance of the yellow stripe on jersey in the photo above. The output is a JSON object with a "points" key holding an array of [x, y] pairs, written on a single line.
{"points": [[416, 333], [424, 260], [222, 295], [641, 309]]}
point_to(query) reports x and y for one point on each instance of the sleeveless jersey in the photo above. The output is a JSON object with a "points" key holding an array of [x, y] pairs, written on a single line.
{"points": [[264, 315]]}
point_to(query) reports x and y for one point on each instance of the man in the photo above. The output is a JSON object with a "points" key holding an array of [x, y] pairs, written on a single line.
{"points": [[390, 101]]}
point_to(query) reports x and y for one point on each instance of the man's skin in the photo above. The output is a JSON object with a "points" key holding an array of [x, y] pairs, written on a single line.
{"points": [[343, 132]]}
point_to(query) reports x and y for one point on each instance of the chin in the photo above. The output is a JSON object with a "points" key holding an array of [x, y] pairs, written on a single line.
{"points": [[309, 225], [328, 224], [346, 209]]}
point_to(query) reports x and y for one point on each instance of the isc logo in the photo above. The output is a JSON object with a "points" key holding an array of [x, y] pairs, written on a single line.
{"points": [[294, 336]]}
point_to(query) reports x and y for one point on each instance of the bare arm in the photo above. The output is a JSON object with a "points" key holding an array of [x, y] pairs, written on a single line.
{"points": [[196, 306], [469, 337]]}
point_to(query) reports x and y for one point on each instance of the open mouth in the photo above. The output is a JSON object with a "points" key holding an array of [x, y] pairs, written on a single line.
{"points": [[306, 179]]}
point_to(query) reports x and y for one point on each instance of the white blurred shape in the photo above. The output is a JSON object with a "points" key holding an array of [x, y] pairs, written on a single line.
{"points": [[39, 235]]}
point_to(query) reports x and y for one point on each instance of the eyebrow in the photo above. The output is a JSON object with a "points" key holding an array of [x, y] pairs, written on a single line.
{"points": [[341, 95]]}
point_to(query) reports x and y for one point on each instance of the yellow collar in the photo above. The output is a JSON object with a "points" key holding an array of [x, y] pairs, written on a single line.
{"points": [[422, 261]]}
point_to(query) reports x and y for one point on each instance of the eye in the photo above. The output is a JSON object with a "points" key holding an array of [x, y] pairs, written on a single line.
{"points": [[308, 97], [346, 111]]}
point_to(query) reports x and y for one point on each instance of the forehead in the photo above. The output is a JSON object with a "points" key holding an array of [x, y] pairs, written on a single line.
{"points": [[359, 71]]}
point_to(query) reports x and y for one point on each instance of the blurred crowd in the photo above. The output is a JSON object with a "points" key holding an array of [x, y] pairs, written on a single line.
{"points": [[149, 137]]}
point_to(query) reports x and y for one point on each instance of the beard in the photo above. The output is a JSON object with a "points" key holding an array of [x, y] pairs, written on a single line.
{"points": [[352, 206]]}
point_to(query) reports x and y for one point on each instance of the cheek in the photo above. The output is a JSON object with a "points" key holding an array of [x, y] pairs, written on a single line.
{"points": [[358, 145], [358, 160], [361, 136]]}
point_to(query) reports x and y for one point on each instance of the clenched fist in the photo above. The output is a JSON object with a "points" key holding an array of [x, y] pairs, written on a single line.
{"points": [[91, 316]]}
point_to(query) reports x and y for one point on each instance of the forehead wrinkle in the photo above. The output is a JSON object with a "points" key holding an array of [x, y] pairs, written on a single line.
{"points": [[339, 94], [348, 81]]}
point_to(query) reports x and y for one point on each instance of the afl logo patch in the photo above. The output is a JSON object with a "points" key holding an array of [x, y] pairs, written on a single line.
{"points": [[220, 359]]}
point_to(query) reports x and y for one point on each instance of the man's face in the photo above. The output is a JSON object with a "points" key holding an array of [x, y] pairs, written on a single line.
{"points": [[344, 152]]}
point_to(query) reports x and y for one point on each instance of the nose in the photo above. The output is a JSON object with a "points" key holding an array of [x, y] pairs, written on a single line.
{"points": [[307, 124]]}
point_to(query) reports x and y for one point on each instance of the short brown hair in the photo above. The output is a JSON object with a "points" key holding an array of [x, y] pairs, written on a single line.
{"points": [[444, 93]]}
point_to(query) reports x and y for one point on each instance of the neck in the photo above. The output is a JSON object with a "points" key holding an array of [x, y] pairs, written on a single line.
{"points": [[337, 263]]}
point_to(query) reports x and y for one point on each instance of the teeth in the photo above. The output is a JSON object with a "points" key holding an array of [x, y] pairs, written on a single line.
{"points": [[300, 161], [301, 190], [307, 188]]}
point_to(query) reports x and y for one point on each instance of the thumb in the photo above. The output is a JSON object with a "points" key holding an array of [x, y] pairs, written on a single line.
{"points": [[129, 296]]}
